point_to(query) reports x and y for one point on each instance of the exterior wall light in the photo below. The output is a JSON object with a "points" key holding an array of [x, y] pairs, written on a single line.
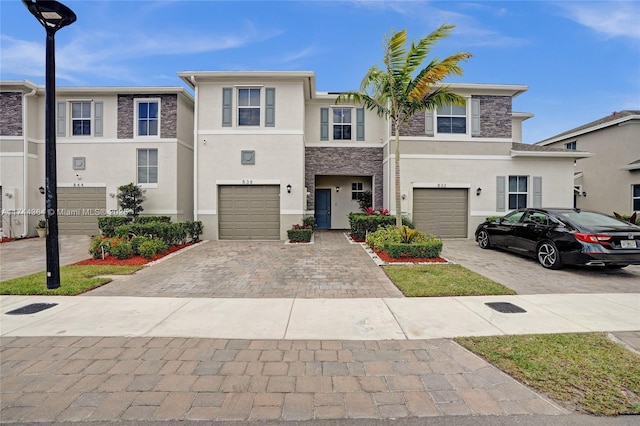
{"points": [[41, 189], [478, 191], [337, 189], [289, 189]]}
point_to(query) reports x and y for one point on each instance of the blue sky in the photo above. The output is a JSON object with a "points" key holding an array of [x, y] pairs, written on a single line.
{"points": [[580, 59]]}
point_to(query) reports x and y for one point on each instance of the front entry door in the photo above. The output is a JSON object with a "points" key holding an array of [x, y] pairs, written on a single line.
{"points": [[323, 208]]}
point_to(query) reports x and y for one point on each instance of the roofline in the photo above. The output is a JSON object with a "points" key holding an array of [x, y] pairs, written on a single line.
{"points": [[577, 133], [513, 89], [23, 83], [551, 154], [630, 167], [523, 115]]}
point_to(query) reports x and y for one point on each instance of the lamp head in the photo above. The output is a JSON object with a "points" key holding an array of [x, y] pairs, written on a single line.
{"points": [[52, 15]]}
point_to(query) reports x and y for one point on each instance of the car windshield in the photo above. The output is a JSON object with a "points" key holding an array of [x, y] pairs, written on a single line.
{"points": [[592, 219]]}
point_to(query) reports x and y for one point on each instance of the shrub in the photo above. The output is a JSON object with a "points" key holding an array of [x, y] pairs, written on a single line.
{"points": [[310, 221], [99, 246], [492, 218], [194, 230], [170, 233], [365, 200], [429, 249], [151, 247], [148, 219], [136, 242], [361, 224], [300, 234], [388, 234], [108, 224], [408, 235], [131, 197], [121, 249]]}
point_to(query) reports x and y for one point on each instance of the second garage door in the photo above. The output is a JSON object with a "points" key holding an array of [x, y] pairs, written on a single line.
{"points": [[79, 209], [442, 212], [249, 212]]}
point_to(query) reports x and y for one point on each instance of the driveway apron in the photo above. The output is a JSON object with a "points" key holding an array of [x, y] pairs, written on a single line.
{"points": [[331, 267]]}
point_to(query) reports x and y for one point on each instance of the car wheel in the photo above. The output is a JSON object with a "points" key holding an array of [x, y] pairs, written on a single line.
{"points": [[483, 240], [548, 255]]}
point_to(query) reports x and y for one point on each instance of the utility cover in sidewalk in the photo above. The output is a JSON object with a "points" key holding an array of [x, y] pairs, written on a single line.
{"points": [[505, 307], [31, 309]]}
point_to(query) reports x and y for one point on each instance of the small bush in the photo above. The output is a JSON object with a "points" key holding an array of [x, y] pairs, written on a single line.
{"points": [[108, 224], [151, 247], [300, 235], [309, 221], [194, 230], [148, 219], [430, 249], [361, 224], [388, 234], [170, 233], [136, 241], [99, 245], [121, 249], [408, 235]]}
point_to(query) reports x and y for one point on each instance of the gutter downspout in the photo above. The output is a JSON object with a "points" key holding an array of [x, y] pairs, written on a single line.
{"points": [[195, 149], [25, 162]]}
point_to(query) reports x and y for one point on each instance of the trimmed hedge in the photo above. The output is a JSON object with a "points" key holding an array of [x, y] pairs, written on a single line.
{"points": [[362, 223], [302, 235], [170, 233], [108, 224], [430, 249], [148, 219]]}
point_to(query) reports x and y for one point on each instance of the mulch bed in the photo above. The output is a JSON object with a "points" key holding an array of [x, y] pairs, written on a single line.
{"points": [[132, 261], [385, 256], [357, 240]]}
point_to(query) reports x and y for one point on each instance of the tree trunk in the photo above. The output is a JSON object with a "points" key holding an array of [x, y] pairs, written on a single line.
{"points": [[397, 178]]}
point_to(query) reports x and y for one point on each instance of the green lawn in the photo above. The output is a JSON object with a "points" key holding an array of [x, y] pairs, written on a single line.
{"points": [[442, 280], [73, 280], [586, 371]]}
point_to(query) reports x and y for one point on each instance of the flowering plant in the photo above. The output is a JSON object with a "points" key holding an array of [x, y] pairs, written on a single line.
{"points": [[370, 211]]}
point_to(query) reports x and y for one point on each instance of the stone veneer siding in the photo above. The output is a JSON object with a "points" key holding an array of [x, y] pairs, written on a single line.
{"points": [[168, 115], [11, 114], [329, 161], [495, 119]]}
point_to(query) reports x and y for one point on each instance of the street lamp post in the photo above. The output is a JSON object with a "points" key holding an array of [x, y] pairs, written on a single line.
{"points": [[53, 16]]}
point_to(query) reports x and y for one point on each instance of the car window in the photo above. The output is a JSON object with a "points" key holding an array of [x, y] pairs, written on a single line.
{"points": [[593, 219], [536, 218], [513, 217]]}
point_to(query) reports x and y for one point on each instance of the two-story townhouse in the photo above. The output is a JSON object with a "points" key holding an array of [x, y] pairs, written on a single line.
{"points": [[270, 150], [460, 164], [610, 180], [106, 137]]}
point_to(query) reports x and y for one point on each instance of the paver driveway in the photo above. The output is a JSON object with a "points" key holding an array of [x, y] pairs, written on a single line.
{"points": [[526, 276], [329, 268]]}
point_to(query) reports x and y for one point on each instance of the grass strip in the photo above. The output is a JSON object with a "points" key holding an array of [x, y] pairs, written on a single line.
{"points": [[73, 280], [587, 372], [442, 281]]}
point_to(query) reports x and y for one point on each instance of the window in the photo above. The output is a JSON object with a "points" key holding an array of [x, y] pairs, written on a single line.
{"points": [[636, 198], [357, 189], [513, 217], [147, 166], [452, 119], [248, 107], [81, 118], [570, 145], [517, 192], [342, 124], [148, 117]]}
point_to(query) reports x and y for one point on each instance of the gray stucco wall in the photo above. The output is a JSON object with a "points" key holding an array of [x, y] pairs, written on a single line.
{"points": [[495, 119], [343, 162], [11, 114], [168, 115]]}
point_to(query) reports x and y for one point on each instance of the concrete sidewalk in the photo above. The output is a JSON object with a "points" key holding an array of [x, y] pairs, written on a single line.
{"points": [[320, 319]]}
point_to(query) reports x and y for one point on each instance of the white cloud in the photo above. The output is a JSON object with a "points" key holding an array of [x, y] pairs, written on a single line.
{"points": [[611, 18]]}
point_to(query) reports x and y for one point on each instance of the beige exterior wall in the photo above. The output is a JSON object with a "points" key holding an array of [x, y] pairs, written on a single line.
{"points": [[341, 202], [608, 189]]}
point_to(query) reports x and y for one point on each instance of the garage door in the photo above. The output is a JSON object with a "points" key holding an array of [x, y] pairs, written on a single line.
{"points": [[443, 212], [79, 209], [249, 212]]}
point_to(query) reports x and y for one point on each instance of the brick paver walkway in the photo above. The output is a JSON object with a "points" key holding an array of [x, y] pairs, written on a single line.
{"points": [[75, 379], [329, 268]]}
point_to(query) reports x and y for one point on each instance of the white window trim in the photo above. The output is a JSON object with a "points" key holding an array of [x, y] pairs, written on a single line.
{"points": [[137, 101], [70, 103], [237, 108], [331, 123], [142, 184]]}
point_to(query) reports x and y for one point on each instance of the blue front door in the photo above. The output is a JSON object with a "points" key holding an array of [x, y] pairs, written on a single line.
{"points": [[323, 208]]}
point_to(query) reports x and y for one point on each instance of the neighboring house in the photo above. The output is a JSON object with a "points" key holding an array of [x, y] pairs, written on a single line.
{"points": [[106, 137], [270, 150], [609, 181]]}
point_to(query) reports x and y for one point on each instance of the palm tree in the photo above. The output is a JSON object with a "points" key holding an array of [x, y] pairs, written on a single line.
{"points": [[396, 94]]}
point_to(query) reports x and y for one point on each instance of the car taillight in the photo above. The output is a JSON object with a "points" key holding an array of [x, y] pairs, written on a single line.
{"points": [[594, 238]]}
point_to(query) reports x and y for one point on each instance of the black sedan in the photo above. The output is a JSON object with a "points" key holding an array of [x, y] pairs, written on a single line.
{"points": [[564, 236]]}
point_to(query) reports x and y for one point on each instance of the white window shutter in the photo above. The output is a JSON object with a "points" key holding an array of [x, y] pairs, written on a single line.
{"points": [[475, 117], [537, 191], [227, 104], [500, 193], [428, 123], [98, 119]]}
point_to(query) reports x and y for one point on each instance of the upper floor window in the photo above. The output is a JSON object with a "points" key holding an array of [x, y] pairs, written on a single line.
{"points": [[147, 166], [636, 198], [81, 118], [517, 192], [148, 117], [571, 145], [248, 107], [342, 123], [452, 119]]}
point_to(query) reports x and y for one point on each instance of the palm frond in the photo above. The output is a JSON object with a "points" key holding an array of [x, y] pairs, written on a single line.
{"points": [[366, 101], [418, 52], [396, 51]]}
